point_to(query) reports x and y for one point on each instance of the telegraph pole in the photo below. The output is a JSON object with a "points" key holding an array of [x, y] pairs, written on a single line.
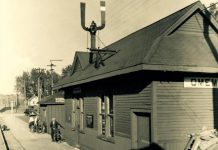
{"points": [[39, 83], [51, 69], [24, 89]]}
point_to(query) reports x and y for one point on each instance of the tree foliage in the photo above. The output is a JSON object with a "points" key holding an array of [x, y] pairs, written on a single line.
{"points": [[29, 83], [213, 10], [66, 71]]}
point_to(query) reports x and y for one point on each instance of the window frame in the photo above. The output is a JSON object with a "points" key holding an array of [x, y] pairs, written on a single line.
{"points": [[109, 130], [73, 117], [78, 115], [81, 114]]}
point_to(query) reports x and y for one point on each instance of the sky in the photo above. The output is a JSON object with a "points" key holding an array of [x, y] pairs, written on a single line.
{"points": [[33, 32]]}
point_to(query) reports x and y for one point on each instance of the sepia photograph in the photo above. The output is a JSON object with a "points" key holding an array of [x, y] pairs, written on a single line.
{"points": [[108, 74]]}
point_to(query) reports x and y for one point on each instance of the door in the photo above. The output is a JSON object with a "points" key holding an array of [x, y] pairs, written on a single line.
{"points": [[141, 129]]}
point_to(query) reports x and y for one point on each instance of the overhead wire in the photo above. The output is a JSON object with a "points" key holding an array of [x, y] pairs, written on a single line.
{"points": [[118, 12], [213, 4]]}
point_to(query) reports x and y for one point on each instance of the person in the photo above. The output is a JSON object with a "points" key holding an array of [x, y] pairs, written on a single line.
{"points": [[36, 120], [31, 121], [54, 128], [44, 127], [40, 126]]}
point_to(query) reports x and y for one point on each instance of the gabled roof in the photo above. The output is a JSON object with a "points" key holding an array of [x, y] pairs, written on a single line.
{"points": [[160, 46], [33, 98], [81, 60]]}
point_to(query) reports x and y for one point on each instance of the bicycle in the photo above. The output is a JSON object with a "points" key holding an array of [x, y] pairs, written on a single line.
{"points": [[57, 136]]}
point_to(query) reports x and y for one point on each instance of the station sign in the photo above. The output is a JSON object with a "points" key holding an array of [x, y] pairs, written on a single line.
{"points": [[59, 100], [200, 82], [77, 90]]}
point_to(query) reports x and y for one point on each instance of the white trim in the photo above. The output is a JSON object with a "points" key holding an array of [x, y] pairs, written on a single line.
{"points": [[102, 8], [134, 143], [81, 114]]}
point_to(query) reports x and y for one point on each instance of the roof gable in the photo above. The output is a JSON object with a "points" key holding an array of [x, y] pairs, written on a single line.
{"points": [[193, 42], [197, 23], [197, 7], [80, 62], [76, 65]]}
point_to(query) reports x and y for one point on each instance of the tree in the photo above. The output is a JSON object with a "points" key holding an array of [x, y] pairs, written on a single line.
{"points": [[213, 10], [66, 71], [27, 83]]}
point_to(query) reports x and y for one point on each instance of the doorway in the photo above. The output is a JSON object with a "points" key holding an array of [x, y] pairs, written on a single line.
{"points": [[140, 128]]}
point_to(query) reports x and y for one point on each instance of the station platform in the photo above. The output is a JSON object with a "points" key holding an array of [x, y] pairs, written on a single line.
{"points": [[20, 138]]}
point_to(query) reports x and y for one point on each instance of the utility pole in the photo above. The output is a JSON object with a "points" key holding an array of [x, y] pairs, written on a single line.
{"points": [[24, 89], [39, 84], [51, 69]]}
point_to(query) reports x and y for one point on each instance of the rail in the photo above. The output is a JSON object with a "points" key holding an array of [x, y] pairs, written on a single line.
{"points": [[3, 142]]}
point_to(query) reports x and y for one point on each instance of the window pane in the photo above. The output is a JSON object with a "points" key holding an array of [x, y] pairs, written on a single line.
{"points": [[111, 120], [102, 104], [103, 109], [73, 117], [81, 113], [81, 121], [111, 126], [111, 107], [103, 125]]}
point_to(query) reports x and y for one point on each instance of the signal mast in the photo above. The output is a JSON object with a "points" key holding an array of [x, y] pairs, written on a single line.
{"points": [[92, 30]]}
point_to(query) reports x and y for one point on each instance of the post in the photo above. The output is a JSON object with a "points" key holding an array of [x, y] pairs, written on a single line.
{"points": [[24, 88], [12, 106], [52, 78], [39, 89]]}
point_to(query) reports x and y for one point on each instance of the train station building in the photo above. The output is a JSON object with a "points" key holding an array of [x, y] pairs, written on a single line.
{"points": [[159, 86]]}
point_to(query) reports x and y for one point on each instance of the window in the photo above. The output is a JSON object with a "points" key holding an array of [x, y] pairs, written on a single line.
{"points": [[81, 103], [105, 117], [78, 114], [73, 114], [110, 115], [44, 113]]}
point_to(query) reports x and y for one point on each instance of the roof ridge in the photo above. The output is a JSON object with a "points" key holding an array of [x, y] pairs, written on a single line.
{"points": [[155, 22], [192, 8], [81, 52], [172, 14]]}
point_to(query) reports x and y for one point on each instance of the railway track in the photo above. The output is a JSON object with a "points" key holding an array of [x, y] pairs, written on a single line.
{"points": [[7, 139], [3, 142]]}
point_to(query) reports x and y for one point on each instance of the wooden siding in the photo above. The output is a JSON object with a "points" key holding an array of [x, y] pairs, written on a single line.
{"points": [[68, 110], [43, 112], [197, 24], [90, 105], [123, 105], [68, 133], [56, 111], [181, 111]]}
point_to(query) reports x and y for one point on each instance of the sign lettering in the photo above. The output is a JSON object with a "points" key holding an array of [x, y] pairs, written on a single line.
{"points": [[200, 82]]}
